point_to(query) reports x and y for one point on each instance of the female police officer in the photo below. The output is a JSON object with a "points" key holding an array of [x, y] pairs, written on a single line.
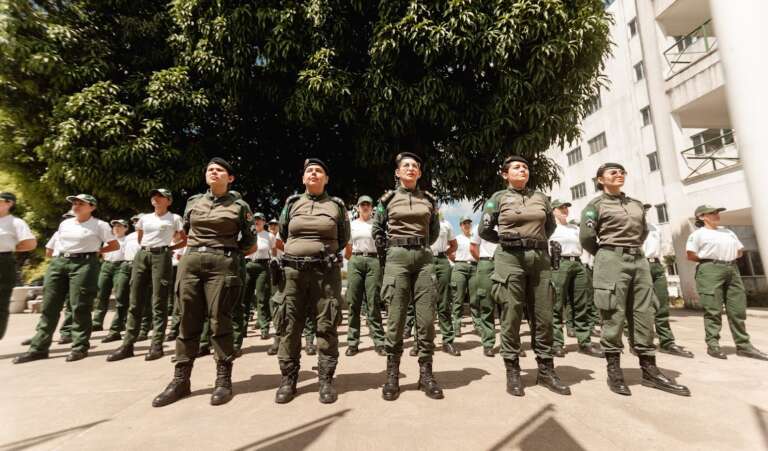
{"points": [[718, 282], [219, 230], [15, 236], [522, 272], [316, 229], [404, 226], [613, 229]]}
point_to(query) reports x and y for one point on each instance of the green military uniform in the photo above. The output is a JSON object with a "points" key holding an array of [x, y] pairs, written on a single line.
{"points": [[239, 315], [7, 282], [111, 276], [443, 273], [316, 228], [121, 282], [484, 304], [258, 291], [12, 232], [462, 278], [660, 289]]}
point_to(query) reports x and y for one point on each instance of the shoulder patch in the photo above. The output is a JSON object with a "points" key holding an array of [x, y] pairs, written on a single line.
{"points": [[590, 214]]}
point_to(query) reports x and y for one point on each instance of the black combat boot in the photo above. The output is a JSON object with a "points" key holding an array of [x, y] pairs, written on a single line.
{"points": [[558, 351], [155, 352], [222, 389], [615, 375], [30, 356], [752, 352], [549, 378], [178, 388], [287, 389], [674, 349], [652, 377], [450, 349], [325, 371], [112, 336], [391, 389], [427, 382], [123, 352], [592, 349], [171, 336], [514, 383], [275, 345], [311, 349]]}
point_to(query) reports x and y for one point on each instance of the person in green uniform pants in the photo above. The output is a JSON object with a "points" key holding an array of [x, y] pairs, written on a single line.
{"points": [[159, 234], [520, 220], [75, 273], [652, 249], [257, 283], [316, 228], [131, 248], [363, 280], [571, 284], [15, 237], [613, 228], [483, 251], [174, 328], [718, 281], [462, 277], [220, 230], [404, 226], [111, 276]]}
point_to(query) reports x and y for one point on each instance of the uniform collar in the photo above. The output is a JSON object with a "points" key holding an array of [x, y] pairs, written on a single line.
{"points": [[320, 196], [522, 192], [209, 195], [621, 195], [402, 189]]}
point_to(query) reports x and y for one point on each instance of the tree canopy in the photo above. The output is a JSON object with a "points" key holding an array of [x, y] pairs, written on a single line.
{"points": [[116, 97]]}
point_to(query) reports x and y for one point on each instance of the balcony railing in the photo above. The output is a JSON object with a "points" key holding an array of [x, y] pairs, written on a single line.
{"points": [[690, 48], [711, 156]]}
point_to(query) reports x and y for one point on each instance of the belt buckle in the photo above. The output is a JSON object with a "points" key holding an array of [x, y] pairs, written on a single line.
{"points": [[202, 249], [66, 254]]}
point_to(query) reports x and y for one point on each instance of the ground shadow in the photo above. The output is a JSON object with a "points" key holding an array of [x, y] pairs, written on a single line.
{"points": [[256, 348], [467, 345], [297, 438], [570, 375], [40, 439], [353, 382], [634, 376], [541, 431], [761, 416], [257, 383], [450, 380], [51, 351]]}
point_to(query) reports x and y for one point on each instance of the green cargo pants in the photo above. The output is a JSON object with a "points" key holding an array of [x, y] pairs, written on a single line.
{"points": [[522, 281], [122, 284], [111, 277], [624, 292], [719, 284], [594, 314], [7, 282], [462, 276], [313, 292], [484, 305], [257, 287], [443, 270], [78, 277], [239, 318], [208, 287], [150, 269], [364, 287], [571, 284], [409, 277], [663, 329]]}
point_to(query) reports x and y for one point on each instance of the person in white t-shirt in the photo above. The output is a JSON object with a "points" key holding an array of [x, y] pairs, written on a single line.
{"points": [[15, 236], [718, 282], [159, 234], [483, 252], [363, 280], [462, 277], [257, 283], [112, 275], [571, 283], [75, 272]]}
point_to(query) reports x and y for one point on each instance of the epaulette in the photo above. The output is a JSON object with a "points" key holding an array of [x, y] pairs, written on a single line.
{"points": [[195, 197], [190, 201], [339, 202], [386, 197]]}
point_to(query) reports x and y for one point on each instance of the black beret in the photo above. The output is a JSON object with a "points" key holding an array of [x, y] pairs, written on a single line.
{"points": [[605, 166], [513, 158], [315, 161], [403, 155], [221, 162]]}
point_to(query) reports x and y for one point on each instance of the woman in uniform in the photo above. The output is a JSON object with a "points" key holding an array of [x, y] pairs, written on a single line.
{"points": [[257, 281], [219, 229], [613, 229], [111, 276], [522, 271], [405, 225], [15, 236], [316, 228], [718, 282], [75, 272]]}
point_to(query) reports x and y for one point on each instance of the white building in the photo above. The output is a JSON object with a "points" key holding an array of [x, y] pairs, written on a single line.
{"points": [[665, 118]]}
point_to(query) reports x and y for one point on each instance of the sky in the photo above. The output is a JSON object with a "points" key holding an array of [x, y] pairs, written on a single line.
{"points": [[455, 210]]}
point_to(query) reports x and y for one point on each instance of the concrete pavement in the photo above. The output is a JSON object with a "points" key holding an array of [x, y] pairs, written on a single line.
{"points": [[93, 404]]}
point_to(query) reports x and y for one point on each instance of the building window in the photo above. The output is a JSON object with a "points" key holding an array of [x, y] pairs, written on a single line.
{"points": [[632, 27], [594, 103], [597, 185], [597, 143], [639, 71], [574, 156], [579, 191], [653, 161], [683, 42], [646, 114], [661, 213], [711, 140], [672, 269]]}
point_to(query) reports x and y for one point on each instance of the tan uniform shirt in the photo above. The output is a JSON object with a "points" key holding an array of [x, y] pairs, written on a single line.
{"points": [[407, 213], [313, 225], [613, 221], [527, 213], [222, 222]]}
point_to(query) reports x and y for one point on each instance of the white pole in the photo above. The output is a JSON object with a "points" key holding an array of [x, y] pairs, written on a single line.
{"points": [[740, 30]]}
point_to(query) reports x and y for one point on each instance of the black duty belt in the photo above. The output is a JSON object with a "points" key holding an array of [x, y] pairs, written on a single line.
{"points": [[306, 263], [717, 262], [522, 244], [5, 254], [261, 261], [410, 242], [116, 262], [365, 254], [653, 260], [623, 249], [78, 255], [441, 255], [228, 251], [469, 262], [570, 258], [155, 250], [486, 259]]}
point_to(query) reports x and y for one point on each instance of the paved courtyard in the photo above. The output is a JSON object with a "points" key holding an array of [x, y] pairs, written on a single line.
{"points": [[92, 404]]}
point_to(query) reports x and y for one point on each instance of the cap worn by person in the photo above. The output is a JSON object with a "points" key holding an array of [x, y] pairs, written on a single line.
{"points": [[315, 162], [162, 192], [465, 219], [364, 199], [259, 215], [87, 198], [403, 155], [513, 158], [706, 209], [605, 166], [274, 221], [7, 196], [221, 162], [121, 222], [557, 203]]}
